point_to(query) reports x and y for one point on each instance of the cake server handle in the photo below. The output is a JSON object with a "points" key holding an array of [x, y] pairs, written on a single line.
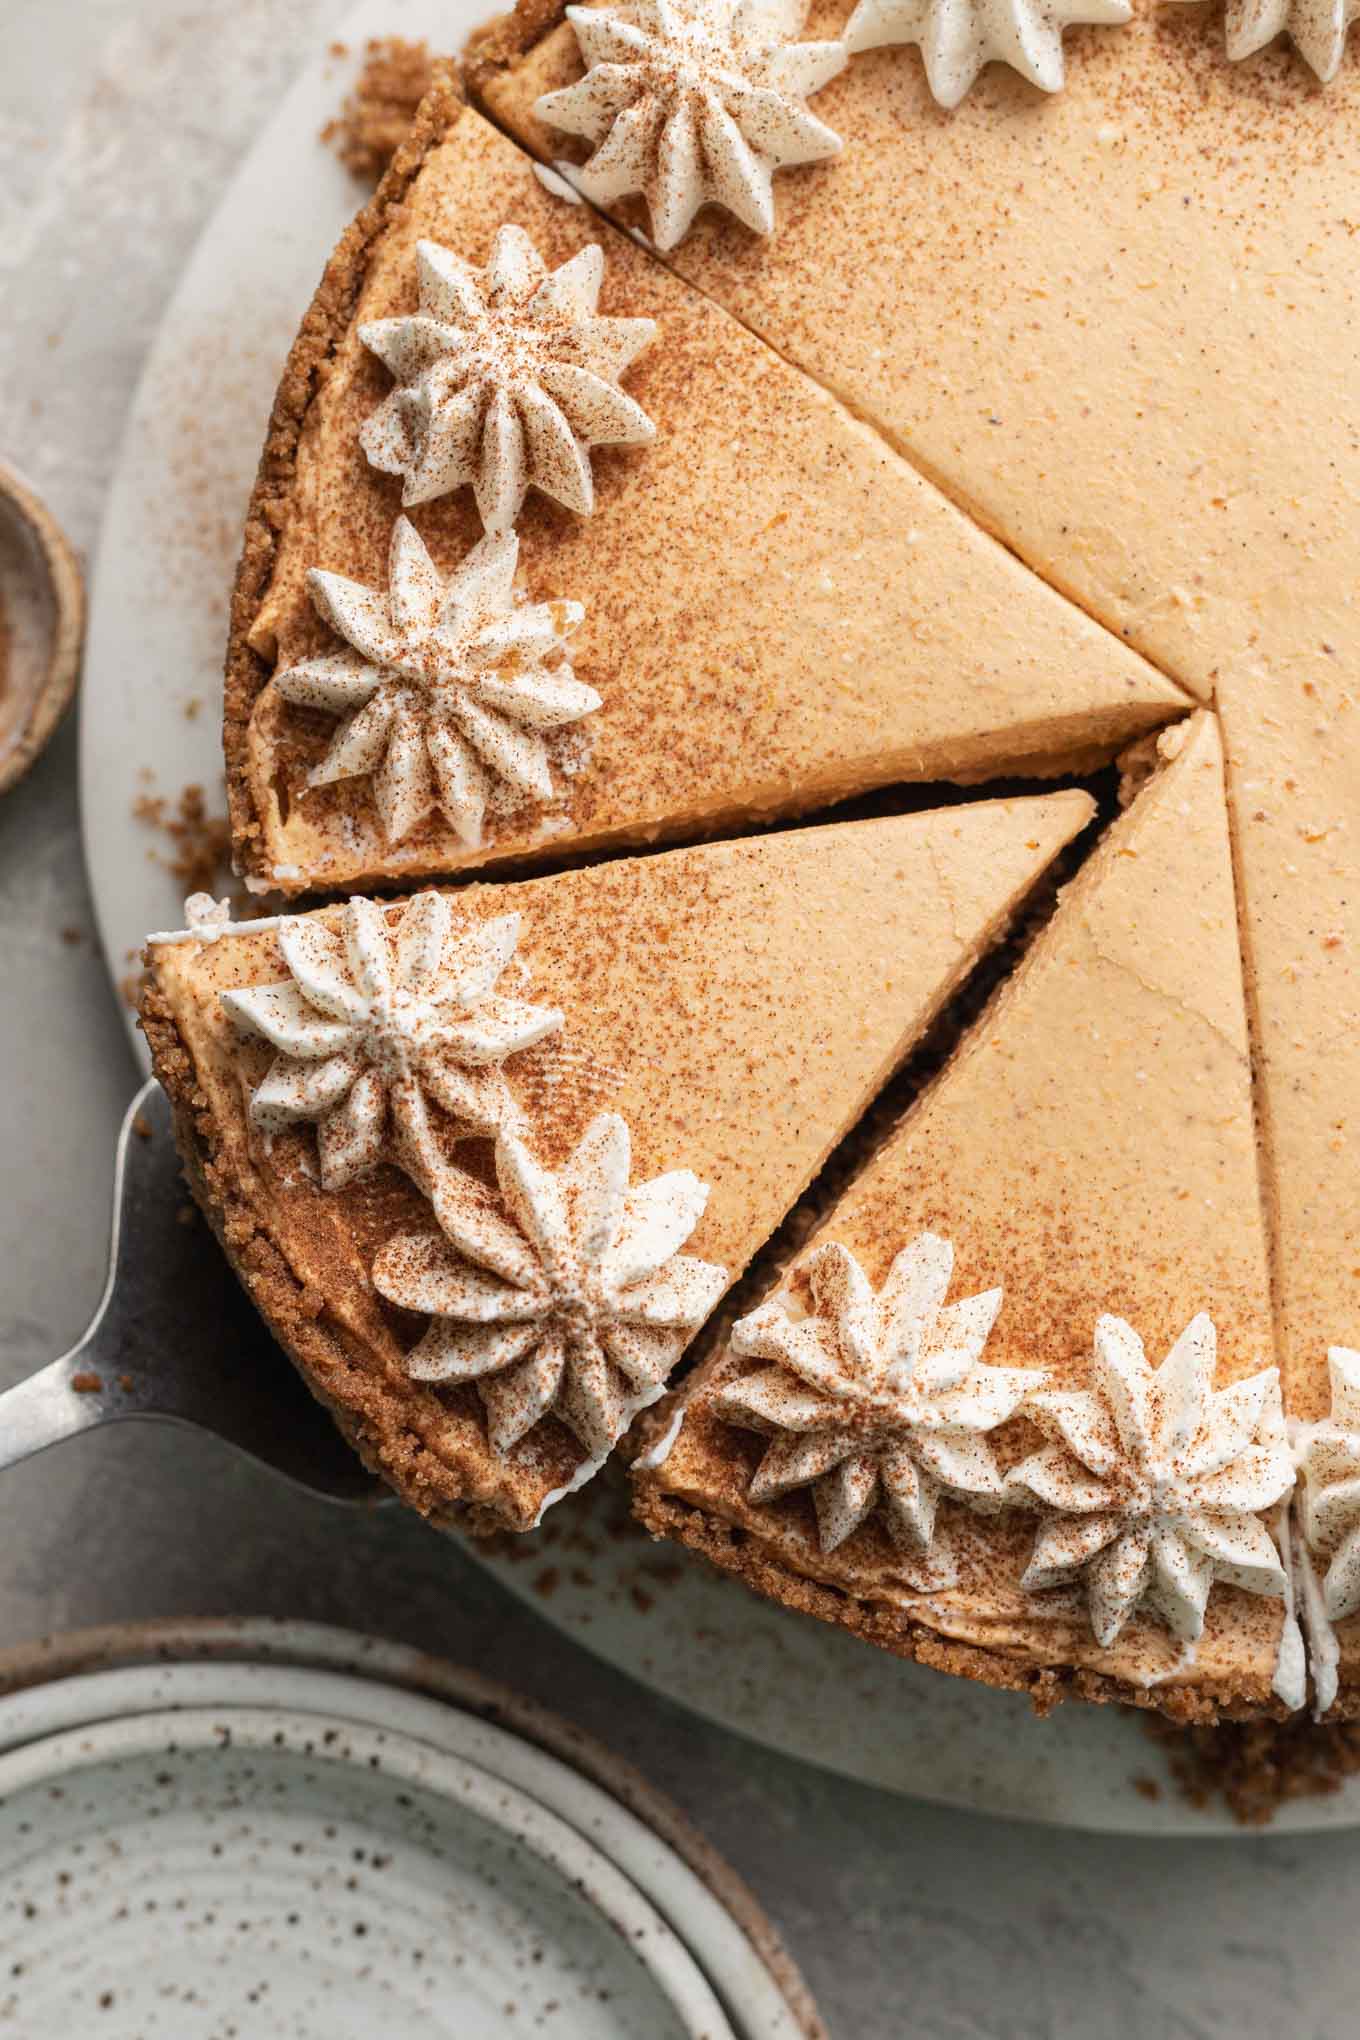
{"points": [[86, 1387], [176, 1338]]}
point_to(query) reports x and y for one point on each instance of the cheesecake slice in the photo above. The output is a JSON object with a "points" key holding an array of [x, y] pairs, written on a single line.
{"points": [[485, 1159], [1014, 1411], [1294, 785], [655, 583]]}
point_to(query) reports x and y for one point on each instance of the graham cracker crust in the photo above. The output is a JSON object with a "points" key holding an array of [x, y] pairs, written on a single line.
{"points": [[732, 1551], [333, 1368], [500, 43], [326, 320]]}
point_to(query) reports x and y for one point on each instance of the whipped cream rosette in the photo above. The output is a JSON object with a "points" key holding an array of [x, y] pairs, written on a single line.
{"points": [[1156, 1482], [450, 690], [957, 37], [1328, 1502], [374, 1020], [506, 377], [1317, 29], [876, 1400], [560, 1291], [692, 103]]}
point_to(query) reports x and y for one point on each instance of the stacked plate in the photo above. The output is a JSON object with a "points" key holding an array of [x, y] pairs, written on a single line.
{"points": [[254, 1828]]}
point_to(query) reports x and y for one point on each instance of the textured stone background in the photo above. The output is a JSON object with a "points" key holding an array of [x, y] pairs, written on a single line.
{"points": [[120, 121]]}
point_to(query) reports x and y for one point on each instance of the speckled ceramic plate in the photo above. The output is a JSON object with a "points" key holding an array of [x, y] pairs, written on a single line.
{"points": [[154, 653], [339, 1700], [269, 1872]]}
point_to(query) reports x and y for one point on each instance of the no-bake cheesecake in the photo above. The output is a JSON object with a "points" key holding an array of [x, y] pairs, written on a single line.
{"points": [[733, 409], [1087, 1158]]}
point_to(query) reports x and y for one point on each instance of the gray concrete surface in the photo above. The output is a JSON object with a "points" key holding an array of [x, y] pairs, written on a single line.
{"points": [[119, 122]]}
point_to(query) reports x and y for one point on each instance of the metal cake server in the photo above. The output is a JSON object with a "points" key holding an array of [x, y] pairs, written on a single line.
{"points": [[176, 1337]]}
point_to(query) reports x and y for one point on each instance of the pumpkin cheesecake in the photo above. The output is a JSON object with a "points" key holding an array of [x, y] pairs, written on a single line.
{"points": [[530, 501], [735, 409], [486, 1159], [1014, 1411]]}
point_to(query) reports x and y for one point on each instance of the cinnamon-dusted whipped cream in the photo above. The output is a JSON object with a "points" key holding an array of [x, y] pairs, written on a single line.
{"points": [[1156, 1482], [565, 1293], [450, 690], [695, 102], [1317, 29], [957, 37], [506, 377], [876, 1400], [376, 1018]]}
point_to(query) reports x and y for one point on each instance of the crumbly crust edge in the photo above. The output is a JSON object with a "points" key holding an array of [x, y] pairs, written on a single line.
{"points": [[732, 1551], [295, 1322], [326, 320], [499, 44]]}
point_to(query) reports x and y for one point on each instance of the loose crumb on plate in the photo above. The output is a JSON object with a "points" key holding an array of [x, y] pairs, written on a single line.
{"points": [[198, 844], [378, 109], [1256, 1767]]}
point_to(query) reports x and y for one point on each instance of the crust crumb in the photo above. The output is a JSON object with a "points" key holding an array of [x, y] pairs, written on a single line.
{"points": [[1256, 1767], [376, 115]]}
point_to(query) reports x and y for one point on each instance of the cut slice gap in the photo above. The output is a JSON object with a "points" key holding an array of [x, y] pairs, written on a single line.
{"points": [[1090, 1148], [739, 1004], [933, 1051], [789, 665], [879, 803]]}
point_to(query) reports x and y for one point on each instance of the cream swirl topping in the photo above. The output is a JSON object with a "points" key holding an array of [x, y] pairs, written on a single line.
{"points": [[957, 37], [562, 1291], [1328, 1502], [694, 102], [1317, 29], [506, 377], [876, 1400], [450, 690], [1155, 1480], [376, 1018]]}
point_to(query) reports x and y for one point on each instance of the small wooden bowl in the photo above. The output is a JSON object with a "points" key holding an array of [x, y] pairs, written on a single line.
{"points": [[42, 626]]}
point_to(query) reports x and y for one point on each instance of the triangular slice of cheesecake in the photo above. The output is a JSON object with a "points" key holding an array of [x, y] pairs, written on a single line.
{"points": [[529, 499], [1014, 1411], [486, 1159]]}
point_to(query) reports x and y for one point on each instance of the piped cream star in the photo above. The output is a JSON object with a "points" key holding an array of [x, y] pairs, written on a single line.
{"points": [[1329, 1487], [506, 377], [374, 1018], [451, 688], [876, 1399], [1317, 29], [694, 102], [1155, 1481], [565, 1292], [957, 37]]}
